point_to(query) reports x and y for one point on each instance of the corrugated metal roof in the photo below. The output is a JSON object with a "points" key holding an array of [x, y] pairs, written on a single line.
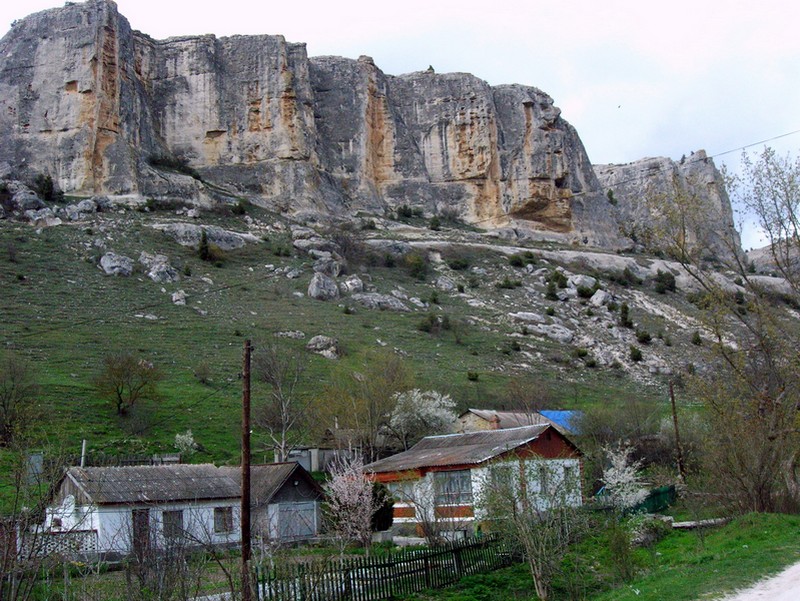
{"points": [[154, 483], [458, 449]]}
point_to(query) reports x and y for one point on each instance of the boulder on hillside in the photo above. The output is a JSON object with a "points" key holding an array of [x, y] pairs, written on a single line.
{"points": [[26, 200], [382, 302], [158, 268], [114, 264], [189, 234], [351, 285], [323, 287], [324, 345]]}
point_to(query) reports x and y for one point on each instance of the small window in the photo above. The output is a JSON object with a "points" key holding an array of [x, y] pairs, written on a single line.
{"points": [[223, 519], [172, 524], [453, 488]]}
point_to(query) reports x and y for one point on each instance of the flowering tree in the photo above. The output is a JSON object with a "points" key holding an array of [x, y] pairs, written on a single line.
{"points": [[418, 413], [185, 443], [351, 504], [621, 478]]}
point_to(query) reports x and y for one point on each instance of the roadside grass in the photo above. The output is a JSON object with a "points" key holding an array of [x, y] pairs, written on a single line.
{"points": [[684, 566]]}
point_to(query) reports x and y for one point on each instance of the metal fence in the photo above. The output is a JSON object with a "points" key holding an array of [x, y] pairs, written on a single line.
{"points": [[386, 577]]}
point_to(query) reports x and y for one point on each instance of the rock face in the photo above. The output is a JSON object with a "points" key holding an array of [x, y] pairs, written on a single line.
{"points": [[107, 110], [648, 195]]}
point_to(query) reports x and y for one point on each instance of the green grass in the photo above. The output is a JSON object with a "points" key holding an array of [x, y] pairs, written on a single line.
{"points": [[684, 566], [61, 313]]}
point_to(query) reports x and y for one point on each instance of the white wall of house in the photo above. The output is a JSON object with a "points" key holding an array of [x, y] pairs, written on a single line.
{"points": [[114, 523], [548, 481]]}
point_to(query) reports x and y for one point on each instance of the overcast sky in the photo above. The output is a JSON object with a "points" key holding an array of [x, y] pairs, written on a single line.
{"points": [[636, 78]]}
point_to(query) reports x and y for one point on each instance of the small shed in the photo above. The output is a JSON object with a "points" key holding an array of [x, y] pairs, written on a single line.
{"points": [[286, 501]]}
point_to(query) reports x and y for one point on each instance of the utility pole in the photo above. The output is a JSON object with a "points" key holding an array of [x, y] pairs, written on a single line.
{"points": [[245, 509], [681, 466]]}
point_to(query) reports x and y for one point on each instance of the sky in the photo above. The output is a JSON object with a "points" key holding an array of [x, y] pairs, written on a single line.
{"points": [[636, 78]]}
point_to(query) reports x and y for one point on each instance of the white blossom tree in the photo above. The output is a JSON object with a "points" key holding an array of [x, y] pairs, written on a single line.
{"points": [[623, 484], [418, 413], [350, 503]]}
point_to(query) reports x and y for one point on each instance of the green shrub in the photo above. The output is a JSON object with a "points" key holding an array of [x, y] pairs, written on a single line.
{"points": [[550, 311], [586, 291], [240, 208], [473, 376], [404, 212], [611, 198], [665, 282], [580, 353], [624, 316], [558, 278], [507, 283], [417, 265], [458, 263], [643, 336], [697, 340], [516, 261], [435, 224], [551, 293], [635, 354]]}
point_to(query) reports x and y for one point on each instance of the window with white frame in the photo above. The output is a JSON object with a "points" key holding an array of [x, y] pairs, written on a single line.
{"points": [[223, 519], [453, 488]]}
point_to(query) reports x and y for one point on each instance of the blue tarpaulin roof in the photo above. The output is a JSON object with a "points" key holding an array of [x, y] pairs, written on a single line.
{"points": [[568, 420]]}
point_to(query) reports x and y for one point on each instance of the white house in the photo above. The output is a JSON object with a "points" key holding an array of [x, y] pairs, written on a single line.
{"points": [[122, 510], [130, 509], [438, 483]]}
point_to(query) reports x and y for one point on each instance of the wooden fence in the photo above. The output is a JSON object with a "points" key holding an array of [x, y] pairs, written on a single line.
{"points": [[376, 578]]}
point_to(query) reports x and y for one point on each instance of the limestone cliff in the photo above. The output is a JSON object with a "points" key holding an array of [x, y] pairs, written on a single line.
{"points": [[104, 109], [658, 201]]}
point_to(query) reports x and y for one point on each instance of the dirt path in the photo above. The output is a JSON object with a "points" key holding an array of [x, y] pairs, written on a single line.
{"points": [[784, 586]]}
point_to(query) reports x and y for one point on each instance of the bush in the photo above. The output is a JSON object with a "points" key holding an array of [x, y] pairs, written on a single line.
{"points": [[635, 354], [550, 311], [516, 261], [558, 278], [458, 264], [404, 212], [508, 284], [46, 188], [580, 353], [417, 265], [434, 324], [551, 293], [611, 198], [665, 282], [473, 376], [643, 336], [240, 208], [697, 340], [435, 224], [586, 291], [624, 316]]}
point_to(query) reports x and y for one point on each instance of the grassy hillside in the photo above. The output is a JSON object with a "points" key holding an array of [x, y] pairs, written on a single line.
{"points": [[63, 314]]}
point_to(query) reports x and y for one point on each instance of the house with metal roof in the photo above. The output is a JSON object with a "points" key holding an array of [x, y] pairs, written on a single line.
{"points": [[438, 482], [120, 510]]}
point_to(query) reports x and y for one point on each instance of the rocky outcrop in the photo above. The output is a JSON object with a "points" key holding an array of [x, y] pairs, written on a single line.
{"points": [[657, 201], [107, 110]]}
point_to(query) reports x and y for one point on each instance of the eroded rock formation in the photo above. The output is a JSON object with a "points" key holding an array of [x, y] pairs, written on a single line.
{"points": [[107, 110], [659, 203]]}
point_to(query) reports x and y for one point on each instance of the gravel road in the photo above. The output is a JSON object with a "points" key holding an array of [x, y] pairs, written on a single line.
{"points": [[784, 586]]}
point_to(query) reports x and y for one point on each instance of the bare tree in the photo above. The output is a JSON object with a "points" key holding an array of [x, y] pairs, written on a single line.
{"points": [[284, 410], [534, 505], [126, 379], [361, 402], [18, 390], [350, 503], [752, 394]]}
